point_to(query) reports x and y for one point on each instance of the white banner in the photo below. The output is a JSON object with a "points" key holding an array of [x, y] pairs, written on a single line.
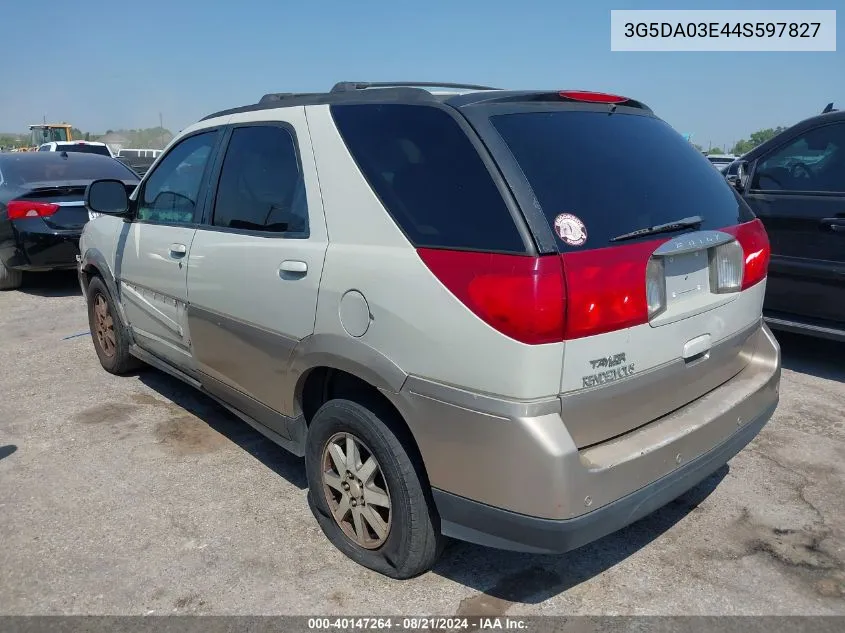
{"points": [[727, 30]]}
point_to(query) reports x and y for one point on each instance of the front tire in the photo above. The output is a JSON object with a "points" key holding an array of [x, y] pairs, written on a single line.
{"points": [[111, 340], [367, 493], [10, 278]]}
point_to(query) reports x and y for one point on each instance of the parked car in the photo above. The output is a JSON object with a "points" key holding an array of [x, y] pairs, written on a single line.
{"points": [[471, 318], [42, 210], [86, 147], [795, 184], [721, 161]]}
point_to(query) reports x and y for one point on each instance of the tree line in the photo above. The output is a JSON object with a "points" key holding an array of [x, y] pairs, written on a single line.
{"points": [[743, 146]]}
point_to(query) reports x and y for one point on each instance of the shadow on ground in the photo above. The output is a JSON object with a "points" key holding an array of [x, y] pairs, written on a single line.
{"points": [[501, 578], [7, 450], [814, 356], [504, 578], [60, 283], [277, 459]]}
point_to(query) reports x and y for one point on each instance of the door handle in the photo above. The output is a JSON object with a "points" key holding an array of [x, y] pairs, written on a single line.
{"points": [[178, 250], [293, 266], [837, 225]]}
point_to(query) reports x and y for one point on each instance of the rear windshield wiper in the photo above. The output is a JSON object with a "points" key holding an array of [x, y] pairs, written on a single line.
{"points": [[683, 223]]}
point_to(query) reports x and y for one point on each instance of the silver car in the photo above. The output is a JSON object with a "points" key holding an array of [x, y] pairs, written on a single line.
{"points": [[476, 313]]}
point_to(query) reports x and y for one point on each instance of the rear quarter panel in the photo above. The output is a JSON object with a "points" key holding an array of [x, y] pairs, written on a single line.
{"points": [[415, 321]]}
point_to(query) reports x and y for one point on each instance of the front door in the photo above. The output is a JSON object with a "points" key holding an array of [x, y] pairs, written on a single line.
{"points": [[255, 264], [152, 253], [798, 192]]}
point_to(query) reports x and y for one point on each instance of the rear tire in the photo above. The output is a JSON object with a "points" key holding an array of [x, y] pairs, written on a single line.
{"points": [[9, 278], [111, 340], [400, 527]]}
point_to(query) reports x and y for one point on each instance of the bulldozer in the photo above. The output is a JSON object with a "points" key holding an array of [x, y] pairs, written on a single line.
{"points": [[46, 133]]}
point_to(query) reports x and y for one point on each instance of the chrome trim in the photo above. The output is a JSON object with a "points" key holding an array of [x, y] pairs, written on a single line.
{"points": [[693, 242]]}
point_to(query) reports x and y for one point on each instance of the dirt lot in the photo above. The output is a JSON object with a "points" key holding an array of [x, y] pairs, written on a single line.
{"points": [[138, 495]]}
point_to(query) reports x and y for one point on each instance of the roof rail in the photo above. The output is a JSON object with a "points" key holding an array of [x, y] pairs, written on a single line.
{"points": [[829, 108], [348, 86]]}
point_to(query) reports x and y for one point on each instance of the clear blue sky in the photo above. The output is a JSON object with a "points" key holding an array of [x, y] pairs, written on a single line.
{"points": [[124, 62]]}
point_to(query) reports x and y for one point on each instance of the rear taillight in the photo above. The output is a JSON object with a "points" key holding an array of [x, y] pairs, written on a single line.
{"points": [[606, 288], [756, 251], [522, 297], [548, 299], [591, 97], [727, 268], [655, 287], [19, 209]]}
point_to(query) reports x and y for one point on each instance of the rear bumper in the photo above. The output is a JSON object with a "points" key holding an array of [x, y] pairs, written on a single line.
{"points": [[479, 523], [510, 475], [37, 247]]}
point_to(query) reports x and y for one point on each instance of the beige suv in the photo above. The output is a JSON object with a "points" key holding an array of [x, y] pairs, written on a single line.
{"points": [[477, 313]]}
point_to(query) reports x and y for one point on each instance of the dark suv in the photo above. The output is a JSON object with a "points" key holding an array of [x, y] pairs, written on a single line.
{"points": [[795, 184]]}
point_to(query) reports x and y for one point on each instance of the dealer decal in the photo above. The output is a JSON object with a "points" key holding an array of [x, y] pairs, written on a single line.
{"points": [[617, 370]]}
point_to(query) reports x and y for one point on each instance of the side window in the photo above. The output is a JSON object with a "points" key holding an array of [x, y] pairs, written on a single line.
{"points": [[261, 185], [428, 176], [815, 161], [171, 193]]}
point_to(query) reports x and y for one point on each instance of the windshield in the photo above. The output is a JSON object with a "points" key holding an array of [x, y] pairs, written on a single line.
{"points": [[20, 170], [43, 135], [600, 169]]}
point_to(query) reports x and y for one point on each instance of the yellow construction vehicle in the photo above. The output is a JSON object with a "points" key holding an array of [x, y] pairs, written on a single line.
{"points": [[47, 133]]}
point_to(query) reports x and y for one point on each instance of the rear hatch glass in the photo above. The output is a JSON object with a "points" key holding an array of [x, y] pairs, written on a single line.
{"points": [[616, 173], [84, 148]]}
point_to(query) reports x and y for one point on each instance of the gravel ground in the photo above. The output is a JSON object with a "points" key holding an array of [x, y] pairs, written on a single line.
{"points": [[138, 495]]}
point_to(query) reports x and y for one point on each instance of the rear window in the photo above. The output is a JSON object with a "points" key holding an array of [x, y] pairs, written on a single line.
{"points": [[616, 173], [84, 149], [22, 170], [429, 176]]}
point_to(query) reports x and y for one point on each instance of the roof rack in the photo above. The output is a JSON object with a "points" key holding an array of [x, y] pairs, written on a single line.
{"points": [[348, 86]]}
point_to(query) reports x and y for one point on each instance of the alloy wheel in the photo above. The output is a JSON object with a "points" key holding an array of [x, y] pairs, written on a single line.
{"points": [[356, 490]]}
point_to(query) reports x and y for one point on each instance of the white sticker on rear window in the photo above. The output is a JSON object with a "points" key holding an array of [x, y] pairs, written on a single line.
{"points": [[570, 229]]}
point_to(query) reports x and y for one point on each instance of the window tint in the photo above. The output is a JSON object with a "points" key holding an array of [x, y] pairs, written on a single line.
{"points": [[261, 185], [815, 161], [84, 149], [171, 193], [601, 168], [429, 176]]}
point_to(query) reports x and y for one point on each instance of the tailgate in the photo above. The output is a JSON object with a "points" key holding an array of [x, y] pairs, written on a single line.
{"points": [[658, 312]]}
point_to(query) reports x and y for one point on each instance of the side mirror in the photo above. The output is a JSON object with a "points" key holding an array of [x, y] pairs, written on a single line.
{"points": [[737, 175], [108, 197]]}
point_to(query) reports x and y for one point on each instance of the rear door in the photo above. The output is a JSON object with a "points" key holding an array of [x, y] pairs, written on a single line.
{"points": [[152, 250], [583, 181], [255, 264], [798, 191]]}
